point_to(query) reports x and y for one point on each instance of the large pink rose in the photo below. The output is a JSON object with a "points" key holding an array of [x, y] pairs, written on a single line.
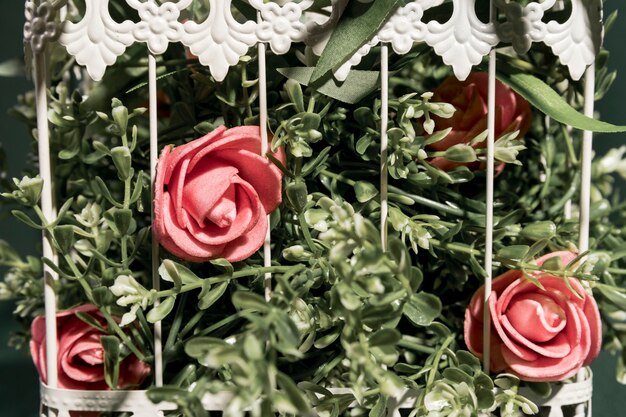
{"points": [[80, 355], [212, 195], [469, 98], [537, 334]]}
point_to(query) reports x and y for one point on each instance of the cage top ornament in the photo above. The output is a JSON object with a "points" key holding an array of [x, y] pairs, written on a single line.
{"points": [[96, 41]]}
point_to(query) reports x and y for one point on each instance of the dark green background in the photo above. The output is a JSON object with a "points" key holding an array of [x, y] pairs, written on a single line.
{"points": [[18, 379]]}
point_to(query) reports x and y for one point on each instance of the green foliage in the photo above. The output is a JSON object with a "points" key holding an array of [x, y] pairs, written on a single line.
{"points": [[344, 312]]}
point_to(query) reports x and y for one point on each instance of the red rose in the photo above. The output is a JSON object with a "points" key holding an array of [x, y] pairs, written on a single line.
{"points": [[80, 354], [537, 334], [212, 195], [469, 98]]}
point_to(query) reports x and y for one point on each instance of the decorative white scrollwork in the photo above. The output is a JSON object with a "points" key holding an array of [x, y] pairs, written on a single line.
{"points": [[220, 40], [40, 26], [97, 40], [523, 24], [159, 25], [576, 41], [462, 41], [280, 25]]}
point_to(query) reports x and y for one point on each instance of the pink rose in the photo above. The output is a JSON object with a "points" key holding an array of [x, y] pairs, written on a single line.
{"points": [[538, 335], [469, 98], [80, 354], [212, 195]]}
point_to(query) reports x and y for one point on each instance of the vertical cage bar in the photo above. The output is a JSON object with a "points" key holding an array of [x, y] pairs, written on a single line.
{"points": [[267, 245], [587, 156], [384, 143], [489, 193], [154, 155], [47, 207]]}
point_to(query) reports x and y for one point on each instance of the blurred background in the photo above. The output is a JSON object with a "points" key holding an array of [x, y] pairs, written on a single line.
{"points": [[19, 394]]}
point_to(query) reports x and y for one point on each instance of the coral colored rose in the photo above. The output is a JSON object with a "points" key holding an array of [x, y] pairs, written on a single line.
{"points": [[80, 354], [538, 335], [212, 195], [469, 98]]}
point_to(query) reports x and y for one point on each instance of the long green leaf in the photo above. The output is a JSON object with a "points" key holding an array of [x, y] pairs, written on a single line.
{"points": [[357, 85], [544, 98], [358, 25]]}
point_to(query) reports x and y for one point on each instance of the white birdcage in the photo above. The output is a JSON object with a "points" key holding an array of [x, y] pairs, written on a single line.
{"points": [[463, 42]]}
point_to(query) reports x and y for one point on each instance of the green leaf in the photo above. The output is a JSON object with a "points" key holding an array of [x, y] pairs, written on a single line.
{"points": [[223, 264], [365, 191], [245, 300], [13, 67], [544, 98], [169, 272], [613, 295], [457, 376], [185, 275], [358, 24], [102, 296], [385, 337], [514, 252], [21, 216], [422, 308], [90, 320], [64, 236], [208, 296], [539, 230], [543, 389], [162, 310], [111, 346], [293, 393], [380, 408], [357, 85]]}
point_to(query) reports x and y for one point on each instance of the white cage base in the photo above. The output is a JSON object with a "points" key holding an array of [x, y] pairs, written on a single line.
{"points": [[61, 401]]}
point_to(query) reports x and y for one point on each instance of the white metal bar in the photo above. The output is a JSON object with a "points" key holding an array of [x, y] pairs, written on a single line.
{"points": [[154, 155], [49, 212], [585, 187], [587, 156], [491, 125], [267, 245], [384, 143]]}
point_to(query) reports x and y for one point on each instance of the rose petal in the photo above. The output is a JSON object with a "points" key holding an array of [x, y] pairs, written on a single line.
{"points": [[180, 242], [514, 347], [247, 216], [180, 152], [259, 172], [556, 369], [537, 317], [245, 138], [247, 244], [204, 187], [175, 189], [558, 347]]}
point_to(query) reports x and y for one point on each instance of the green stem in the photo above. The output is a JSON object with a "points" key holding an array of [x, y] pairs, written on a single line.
{"points": [[88, 292], [307, 235], [437, 359], [455, 247], [225, 277], [178, 320], [415, 346], [454, 211], [219, 324], [416, 198], [126, 204], [338, 177]]}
